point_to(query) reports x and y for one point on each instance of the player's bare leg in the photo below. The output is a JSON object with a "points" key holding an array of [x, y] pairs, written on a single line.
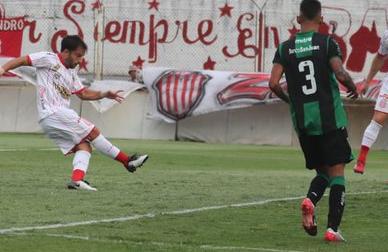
{"points": [[370, 135]]}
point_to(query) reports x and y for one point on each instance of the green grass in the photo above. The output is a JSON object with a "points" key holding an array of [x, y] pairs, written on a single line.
{"points": [[179, 175]]}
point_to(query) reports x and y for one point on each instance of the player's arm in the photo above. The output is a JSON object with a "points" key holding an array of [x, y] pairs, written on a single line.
{"points": [[276, 74], [378, 60], [377, 64], [14, 63], [343, 76], [91, 95], [274, 82]]}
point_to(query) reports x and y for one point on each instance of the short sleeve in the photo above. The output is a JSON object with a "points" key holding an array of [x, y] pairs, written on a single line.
{"points": [[383, 49], [41, 59], [77, 86], [277, 58], [333, 49]]}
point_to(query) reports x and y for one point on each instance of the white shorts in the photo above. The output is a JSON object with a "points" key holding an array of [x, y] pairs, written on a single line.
{"points": [[382, 99], [66, 128]]}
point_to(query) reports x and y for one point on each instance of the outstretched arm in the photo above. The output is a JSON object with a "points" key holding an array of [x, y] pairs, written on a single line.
{"points": [[378, 60], [343, 76], [377, 64], [14, 63], [91, 95], [274, 85]]}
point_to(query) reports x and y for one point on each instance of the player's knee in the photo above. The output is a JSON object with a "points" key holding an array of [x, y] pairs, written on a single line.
{"points": [[379, 117], [93, 134], [83, 146], [336, 170]]}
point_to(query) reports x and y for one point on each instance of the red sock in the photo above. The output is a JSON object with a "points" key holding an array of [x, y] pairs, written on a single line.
{"points": [[77, 175], [363, 153], [123, 158]]}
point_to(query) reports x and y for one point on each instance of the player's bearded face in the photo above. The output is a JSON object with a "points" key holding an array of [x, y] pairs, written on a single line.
{"points": [[75, 57]]}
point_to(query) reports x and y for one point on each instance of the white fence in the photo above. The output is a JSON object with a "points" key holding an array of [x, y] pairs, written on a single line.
{"points": [[234, 35]]}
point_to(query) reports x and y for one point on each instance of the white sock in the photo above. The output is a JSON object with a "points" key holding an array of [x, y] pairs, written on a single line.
{"points": [[371, 133], [80, 164], [104, 146]]}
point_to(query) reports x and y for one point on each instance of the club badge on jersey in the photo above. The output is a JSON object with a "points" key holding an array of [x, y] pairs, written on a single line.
{"points": [[55, 68], [63, 91]]}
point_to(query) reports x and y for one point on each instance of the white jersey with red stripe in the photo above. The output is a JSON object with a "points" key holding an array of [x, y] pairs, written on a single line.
{"points": [[56, 83], [383, 49], [382, 99]]}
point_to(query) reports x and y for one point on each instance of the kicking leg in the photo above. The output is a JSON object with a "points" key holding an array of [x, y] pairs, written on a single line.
{"points": [[106, 147]]}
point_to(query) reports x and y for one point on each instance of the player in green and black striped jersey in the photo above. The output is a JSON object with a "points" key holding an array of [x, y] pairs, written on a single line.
{"points": [[315, 101], [312, 63]]}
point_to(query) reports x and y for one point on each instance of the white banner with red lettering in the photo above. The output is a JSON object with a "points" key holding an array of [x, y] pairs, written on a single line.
{"points": [[237, 35], [177, 94]]}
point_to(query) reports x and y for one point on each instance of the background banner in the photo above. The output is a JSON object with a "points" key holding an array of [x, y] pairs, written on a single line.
{"points": [[177, 94]]}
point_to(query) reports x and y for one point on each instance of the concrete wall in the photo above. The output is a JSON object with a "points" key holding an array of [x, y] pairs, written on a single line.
{"points": [[18, 113], [262, 124]]}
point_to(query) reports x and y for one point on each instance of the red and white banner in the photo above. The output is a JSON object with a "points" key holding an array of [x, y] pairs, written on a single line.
{"points": [[11, 33], [177, 94]]}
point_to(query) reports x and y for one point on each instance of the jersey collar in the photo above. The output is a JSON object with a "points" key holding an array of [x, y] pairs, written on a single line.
{"points": [[306, 32]]}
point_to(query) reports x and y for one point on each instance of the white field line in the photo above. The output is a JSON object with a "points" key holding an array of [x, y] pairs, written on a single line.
{"points": [[210, 247], [31, 149], [153, 215], [162, 244], [74, 237], [74, 224]]}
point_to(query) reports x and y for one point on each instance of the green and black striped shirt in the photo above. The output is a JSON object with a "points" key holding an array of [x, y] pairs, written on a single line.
{"points": [[315, 102]]}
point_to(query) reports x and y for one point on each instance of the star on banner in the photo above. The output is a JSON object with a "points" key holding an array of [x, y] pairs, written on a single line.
{"points": [[209, 64], [138, 62], [154, 4], [96, 5], [293, 31], [226, 10]]}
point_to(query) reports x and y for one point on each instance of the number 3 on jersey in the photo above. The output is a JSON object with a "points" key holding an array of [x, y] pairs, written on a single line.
{"points": [[308, 67]]}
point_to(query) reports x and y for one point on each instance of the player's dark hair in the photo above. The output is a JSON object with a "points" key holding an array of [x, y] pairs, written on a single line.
{"points": [[310, 9], [72, 42]]}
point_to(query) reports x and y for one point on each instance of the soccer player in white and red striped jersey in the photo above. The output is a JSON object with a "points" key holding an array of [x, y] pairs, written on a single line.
{"points": [[381, 108], [57, 80]]}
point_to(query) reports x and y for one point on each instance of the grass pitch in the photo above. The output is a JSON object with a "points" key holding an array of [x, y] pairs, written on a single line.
{"points": [[187, 197]]}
